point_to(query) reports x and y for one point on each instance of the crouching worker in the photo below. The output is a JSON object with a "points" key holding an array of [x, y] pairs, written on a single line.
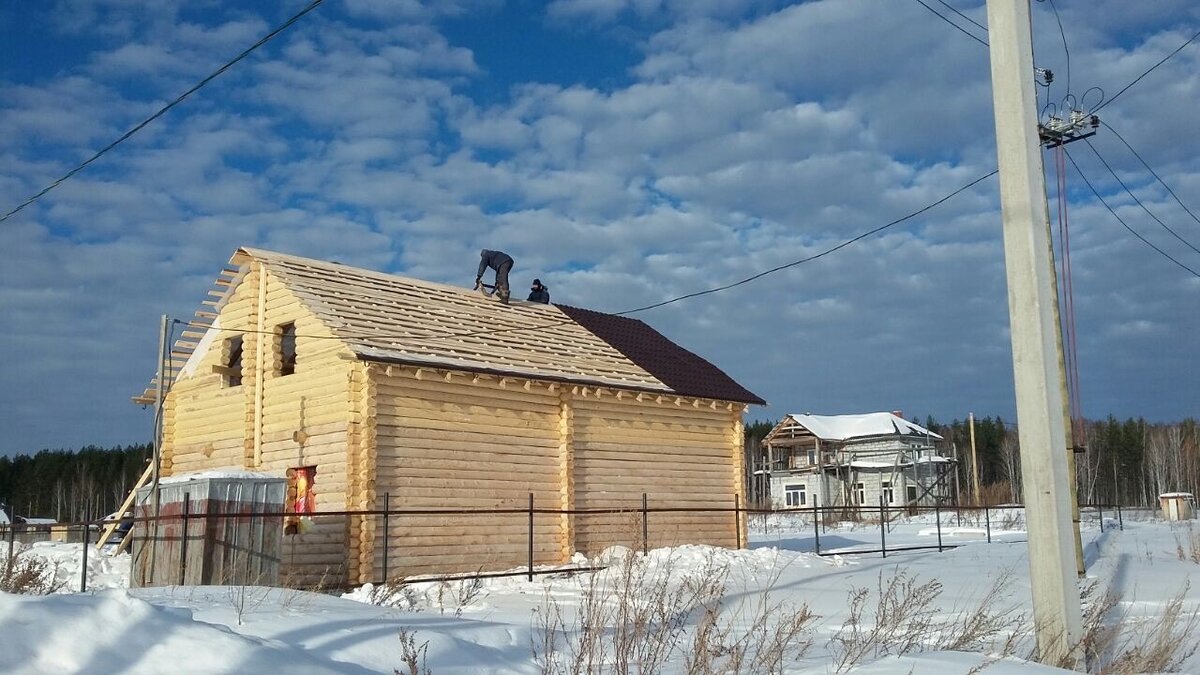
{"points": [[502, 263], [539, 293]]}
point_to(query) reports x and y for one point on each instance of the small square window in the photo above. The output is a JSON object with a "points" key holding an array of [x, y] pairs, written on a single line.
{"points": [[230, 367], [286, 334]]}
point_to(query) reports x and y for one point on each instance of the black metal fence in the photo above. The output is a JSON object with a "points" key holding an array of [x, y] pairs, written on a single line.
{"points": [[817, 520]]}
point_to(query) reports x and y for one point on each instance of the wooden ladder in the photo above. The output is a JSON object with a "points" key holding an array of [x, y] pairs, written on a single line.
{"points": [[120, 514]]}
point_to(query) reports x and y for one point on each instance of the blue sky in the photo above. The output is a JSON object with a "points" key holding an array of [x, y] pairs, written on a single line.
{"points": [[624, 151]]}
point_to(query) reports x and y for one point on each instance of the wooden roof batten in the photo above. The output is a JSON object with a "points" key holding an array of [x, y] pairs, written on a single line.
{"points": [[388, 319]]}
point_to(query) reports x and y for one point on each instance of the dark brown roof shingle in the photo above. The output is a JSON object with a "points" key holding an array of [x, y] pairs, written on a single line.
{"points": [[684, 372]]}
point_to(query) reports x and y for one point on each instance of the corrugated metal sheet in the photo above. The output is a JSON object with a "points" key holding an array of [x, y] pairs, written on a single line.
{"points": [[224, 542]]}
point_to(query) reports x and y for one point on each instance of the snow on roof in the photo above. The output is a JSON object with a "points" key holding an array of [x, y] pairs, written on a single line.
{"points": [[846, 427], [873, 464], [215, 474]]}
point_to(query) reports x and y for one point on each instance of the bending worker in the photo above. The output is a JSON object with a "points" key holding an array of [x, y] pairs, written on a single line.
{"points": [[502, 263]]}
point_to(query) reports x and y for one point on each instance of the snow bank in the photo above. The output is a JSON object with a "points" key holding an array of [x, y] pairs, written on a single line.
{"points": [[113, 632], [66, 563]]}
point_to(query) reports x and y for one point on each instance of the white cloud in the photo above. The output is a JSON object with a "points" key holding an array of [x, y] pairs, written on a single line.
{"points": [[747, 139]]}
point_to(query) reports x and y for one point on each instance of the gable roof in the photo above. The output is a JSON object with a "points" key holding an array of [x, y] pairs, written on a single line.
{"points": [[392, 319], [848, 427]]}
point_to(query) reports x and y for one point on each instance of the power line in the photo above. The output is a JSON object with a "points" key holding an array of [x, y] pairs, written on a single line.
{"points": [[161, 111], [822, 254], [1135, 198], [947, 20], [718, 289], [1148, 71], [1152, 172], [952, 8], [1122, 221]]}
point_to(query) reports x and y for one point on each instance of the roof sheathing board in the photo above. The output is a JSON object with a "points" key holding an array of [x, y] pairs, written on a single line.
{"points": [[388, 318]]}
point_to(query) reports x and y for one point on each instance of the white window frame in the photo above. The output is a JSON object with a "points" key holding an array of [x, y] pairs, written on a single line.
{"points": [[860, 491], [889, 494], [795, 496]]}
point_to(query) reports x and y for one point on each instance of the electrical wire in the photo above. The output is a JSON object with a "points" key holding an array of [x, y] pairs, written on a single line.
{"points": [[1122, 220], [1147, 72], [1152, 171], [1066, 51], [718, 289], [1069, 334], [163, 110], [952, 8], [1135, 197], [947, 20]]}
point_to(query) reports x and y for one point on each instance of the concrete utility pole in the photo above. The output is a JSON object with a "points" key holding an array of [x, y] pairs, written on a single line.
{"points": [[1031, 308], [974, 462]]}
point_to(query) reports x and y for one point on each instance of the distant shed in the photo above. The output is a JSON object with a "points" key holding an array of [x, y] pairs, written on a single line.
{"points": [[355, 384]]}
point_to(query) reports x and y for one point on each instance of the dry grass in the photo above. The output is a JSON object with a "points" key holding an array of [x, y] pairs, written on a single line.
{"points": [[413, 655], [651, 618], [907, 620], [1190, 549], [24, 574]]}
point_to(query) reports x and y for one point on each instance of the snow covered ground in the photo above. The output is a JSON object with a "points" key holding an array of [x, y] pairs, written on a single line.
{"points": [[497, 625]]}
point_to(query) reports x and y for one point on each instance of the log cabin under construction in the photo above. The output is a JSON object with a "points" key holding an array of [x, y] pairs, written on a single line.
{"points": [[368, 385]]}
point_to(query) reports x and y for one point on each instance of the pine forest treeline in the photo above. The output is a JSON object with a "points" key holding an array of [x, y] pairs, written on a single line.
{"points": [[1129, 462], [71, 485]]}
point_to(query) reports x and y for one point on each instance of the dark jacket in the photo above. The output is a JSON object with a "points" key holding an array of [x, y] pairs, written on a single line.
{"points": [[540, 295], [492, 259]]}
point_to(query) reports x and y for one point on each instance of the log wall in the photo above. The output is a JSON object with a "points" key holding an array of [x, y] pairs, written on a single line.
{"points": [[300, 419], [457, 441], [679, 455]]}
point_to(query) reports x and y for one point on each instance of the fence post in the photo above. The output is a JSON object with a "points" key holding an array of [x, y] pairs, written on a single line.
{"points": [[531, 536], [882, 526], [183, 539], [816, 525], [12, 538], [937, 514], [1100, 510], [737, 519], [987, 519], [387, 502], [83, 572], [645, 527], [1120, 520]]}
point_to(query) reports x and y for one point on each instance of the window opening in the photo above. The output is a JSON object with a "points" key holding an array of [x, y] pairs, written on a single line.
{"points": [[287, 348]]}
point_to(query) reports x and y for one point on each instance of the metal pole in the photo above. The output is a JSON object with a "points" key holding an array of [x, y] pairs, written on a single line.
{"points": [[159, 389], [12, 538], [387, 502], [531, 536], [183, 539], [737, 519], [974, 462], [1034, 331], [645, 527], [816, 525], [987, 519], [882, 526], [83, 571], [937, 513]]}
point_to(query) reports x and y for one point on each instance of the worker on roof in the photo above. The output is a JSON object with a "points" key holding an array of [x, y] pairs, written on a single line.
{"points": [[539, 293], [502, 263]]}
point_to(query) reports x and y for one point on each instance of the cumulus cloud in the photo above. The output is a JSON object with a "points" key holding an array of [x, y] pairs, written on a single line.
{"points": [[746, 137]]}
